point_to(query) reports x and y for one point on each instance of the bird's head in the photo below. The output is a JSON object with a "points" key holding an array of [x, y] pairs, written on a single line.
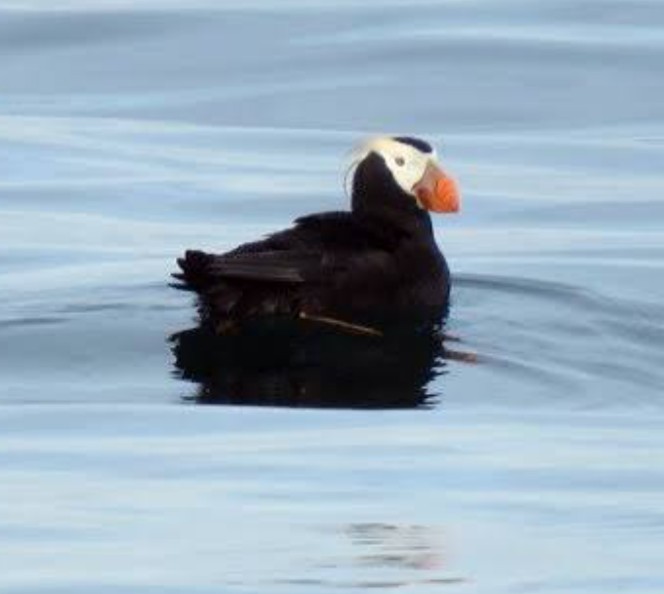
{"points": [[401, 173]]}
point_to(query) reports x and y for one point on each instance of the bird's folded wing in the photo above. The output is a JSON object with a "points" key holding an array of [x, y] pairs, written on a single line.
{"points": [[281, 266]]}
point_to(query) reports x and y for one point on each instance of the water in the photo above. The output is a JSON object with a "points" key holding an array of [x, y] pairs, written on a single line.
{"points": [[130, 131]]}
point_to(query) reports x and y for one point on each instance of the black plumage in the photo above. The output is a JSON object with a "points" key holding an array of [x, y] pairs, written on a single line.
{"points": [[418, 143], [377, 261]]}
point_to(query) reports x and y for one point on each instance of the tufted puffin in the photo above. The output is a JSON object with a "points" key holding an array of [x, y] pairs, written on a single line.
{"points": [[352, 270]]}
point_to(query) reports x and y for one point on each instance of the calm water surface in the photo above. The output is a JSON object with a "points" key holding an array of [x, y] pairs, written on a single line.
{"points": [[130, 131]]}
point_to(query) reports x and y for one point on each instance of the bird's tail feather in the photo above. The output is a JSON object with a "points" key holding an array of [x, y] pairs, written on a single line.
{"points": [[195, 270]]}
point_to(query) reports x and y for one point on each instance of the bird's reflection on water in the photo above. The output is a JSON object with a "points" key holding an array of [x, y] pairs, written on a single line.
{"points": [[315, 367], [388, 545], [386, 555], [397, 556]]}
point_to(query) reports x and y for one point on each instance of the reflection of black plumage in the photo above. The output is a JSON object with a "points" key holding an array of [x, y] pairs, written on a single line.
{"points": [[281, 364], [380, 258]]}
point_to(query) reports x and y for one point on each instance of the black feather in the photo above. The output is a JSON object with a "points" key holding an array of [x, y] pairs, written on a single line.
{"points": [[417, 143]]}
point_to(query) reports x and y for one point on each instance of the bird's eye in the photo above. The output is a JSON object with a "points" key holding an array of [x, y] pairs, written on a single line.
{"points": [[400, 161]]}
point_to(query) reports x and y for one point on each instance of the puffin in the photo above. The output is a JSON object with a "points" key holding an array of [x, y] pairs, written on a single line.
{"points": [[354, 271]]}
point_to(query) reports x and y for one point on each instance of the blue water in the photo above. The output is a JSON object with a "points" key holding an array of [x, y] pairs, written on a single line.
{"points": [[131, 130]]}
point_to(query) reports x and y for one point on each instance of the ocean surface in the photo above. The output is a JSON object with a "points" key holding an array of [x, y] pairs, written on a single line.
{"points": [[527, 457]]}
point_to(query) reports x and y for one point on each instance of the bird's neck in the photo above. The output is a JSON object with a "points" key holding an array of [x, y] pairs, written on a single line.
{"points": [[411, 224], [399, 213]]}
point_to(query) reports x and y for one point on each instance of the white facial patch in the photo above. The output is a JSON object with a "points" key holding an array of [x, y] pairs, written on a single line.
{"points": [[406, 163]]}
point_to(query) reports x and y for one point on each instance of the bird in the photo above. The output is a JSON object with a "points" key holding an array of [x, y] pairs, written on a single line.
{"points": [[351, 270]]}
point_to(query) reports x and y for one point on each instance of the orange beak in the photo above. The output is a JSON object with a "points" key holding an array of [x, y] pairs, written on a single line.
{"points": [[436, 191]]}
